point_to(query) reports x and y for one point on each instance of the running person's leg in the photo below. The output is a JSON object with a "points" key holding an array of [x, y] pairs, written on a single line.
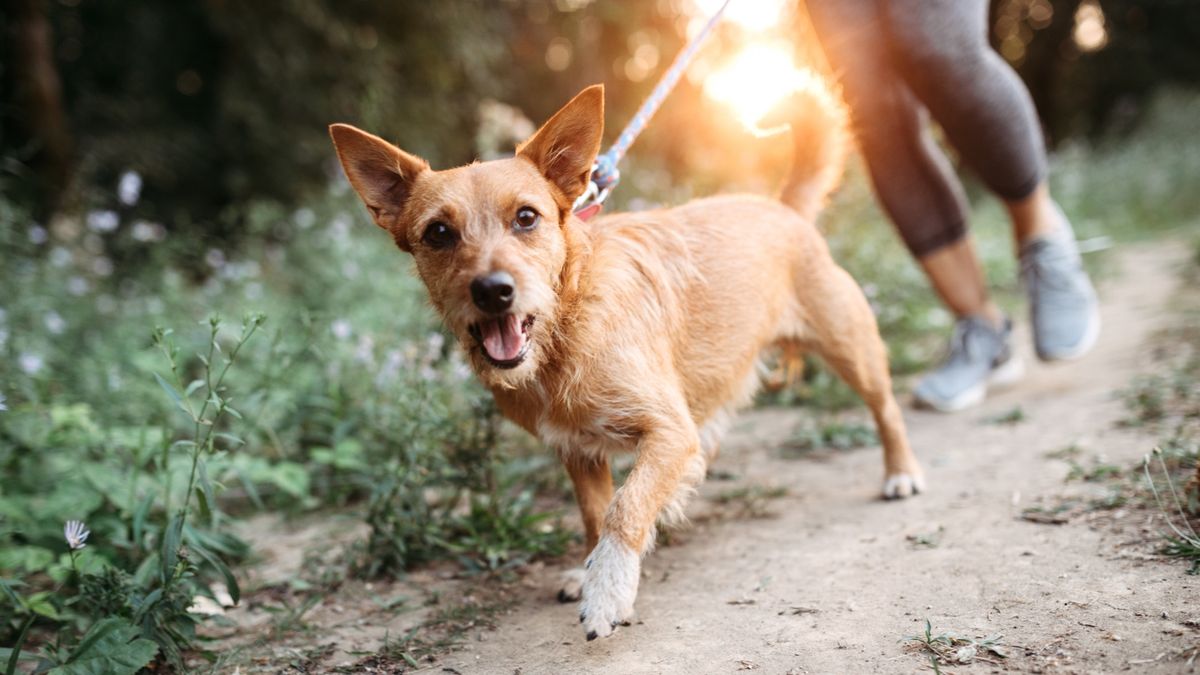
{"points": [[919, 191], [941, 48]]}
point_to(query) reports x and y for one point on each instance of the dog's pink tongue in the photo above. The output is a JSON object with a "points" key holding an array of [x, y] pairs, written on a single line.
{"points": [[503, 338]]}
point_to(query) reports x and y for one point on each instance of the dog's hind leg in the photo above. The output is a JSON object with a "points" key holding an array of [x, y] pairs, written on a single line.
{"points": [[842, 330]]}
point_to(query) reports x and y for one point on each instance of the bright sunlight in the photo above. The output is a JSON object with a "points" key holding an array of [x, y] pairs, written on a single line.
{"points": [[755, 15], [756, 80]]}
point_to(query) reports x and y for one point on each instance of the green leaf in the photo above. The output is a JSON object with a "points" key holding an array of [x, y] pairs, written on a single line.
{"points": [[170, 547], [139, 518], [175, 396], [213, 559], [234, 440], [147, 604], [6, 585], [193, 386], [205, 491], [16, 650], [111, 647]]}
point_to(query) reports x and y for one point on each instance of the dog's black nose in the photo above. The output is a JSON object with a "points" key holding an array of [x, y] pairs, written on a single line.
{"points": [[493, 293]]}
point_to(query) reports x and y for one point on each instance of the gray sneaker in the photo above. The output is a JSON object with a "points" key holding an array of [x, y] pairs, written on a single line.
{"points": [[979, 356], [1062, 302]]}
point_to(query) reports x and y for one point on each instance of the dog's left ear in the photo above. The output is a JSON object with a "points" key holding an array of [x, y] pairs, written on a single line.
{"points": [[566, 146], [381, 173]]}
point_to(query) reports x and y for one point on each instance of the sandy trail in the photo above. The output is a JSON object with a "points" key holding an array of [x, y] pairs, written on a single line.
{"points": [[833, 583]]}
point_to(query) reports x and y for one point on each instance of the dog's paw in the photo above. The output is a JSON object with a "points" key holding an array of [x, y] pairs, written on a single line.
{"points": [[572, 585], [901, 485], [610, 585]]}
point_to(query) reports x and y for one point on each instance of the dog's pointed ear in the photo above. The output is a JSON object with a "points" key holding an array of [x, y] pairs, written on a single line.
{"points": [[566, 146], [380, 173]]}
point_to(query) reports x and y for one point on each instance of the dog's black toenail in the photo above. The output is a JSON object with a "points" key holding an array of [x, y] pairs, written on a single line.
{"points": [[563, 597], [592, 635], [614, 624], [581, 617]]}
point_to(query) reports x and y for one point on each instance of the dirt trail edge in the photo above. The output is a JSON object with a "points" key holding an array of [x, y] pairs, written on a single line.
{"points": [[836, 579]]}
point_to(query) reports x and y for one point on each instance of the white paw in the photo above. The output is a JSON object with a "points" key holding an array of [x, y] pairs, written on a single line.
{"points": [[610, 585], [901, 485], [572, 585]]}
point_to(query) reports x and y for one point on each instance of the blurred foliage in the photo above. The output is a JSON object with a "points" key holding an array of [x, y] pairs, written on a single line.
{"points": [[218, 104]]}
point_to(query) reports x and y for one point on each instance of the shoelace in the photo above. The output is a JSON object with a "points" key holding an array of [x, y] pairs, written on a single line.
{"points": [[1049, 269], [962, 344]]}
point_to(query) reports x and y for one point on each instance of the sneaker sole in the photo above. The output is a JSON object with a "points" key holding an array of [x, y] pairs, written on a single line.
{"points": [[1011, 371], [1085, 345]]}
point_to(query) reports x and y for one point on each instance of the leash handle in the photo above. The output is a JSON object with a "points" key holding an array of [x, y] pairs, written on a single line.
{"points": [[604, 172]]}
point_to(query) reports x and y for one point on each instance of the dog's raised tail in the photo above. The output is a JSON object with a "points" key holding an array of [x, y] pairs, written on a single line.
{"points": [[821, 137]]}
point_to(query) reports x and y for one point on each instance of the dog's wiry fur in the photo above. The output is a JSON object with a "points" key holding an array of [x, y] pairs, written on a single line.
{"points": [[643, 330]]}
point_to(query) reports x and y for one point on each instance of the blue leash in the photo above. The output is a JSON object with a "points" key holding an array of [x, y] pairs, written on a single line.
{"points": [[605, 174]]}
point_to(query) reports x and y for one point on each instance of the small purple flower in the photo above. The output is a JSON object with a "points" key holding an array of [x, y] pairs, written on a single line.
{"points": [[76, 534]]}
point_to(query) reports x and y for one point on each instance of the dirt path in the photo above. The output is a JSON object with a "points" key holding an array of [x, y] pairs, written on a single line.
{"points": [[836, 579]]}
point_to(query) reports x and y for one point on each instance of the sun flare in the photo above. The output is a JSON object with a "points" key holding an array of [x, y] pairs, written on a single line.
{"points": [[757, 79], [752, 15]]}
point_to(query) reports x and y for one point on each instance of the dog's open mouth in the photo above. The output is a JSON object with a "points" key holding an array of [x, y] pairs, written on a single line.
{"points": [[504, 341]]}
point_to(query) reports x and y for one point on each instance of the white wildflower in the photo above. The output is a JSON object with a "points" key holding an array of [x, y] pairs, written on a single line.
{"points": [[392, 361], [54, 322], [147, 231], [30, 363], [129, 188], [339, 228], [304, 218], [76, 534], [434, 344], [103, 221], [215, 258], [78, 286], [365, 351], [3, 405], [60, 257], [38, 234], [341, 329]]}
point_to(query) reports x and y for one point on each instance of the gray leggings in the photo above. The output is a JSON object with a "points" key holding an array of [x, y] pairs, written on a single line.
{"points": [[898, 61]]}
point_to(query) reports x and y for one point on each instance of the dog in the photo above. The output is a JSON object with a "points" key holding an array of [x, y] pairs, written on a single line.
{"points": [[634, 332]]}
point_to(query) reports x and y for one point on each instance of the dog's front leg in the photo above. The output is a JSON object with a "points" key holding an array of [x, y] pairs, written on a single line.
{"points": [[592, 480], [611, 576]]}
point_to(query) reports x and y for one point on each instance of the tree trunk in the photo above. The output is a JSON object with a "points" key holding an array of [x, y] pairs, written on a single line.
{"points": [[38, 94]]}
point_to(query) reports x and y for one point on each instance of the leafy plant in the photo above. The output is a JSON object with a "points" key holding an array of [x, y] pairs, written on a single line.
{"points": [[953, 648]]}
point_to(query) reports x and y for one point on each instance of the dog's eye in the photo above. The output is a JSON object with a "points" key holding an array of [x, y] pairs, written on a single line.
{"points": [[526, 219], [439, 235]]}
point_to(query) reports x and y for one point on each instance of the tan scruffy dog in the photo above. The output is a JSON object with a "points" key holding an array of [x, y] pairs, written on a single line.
{"points": [[635, 332]]}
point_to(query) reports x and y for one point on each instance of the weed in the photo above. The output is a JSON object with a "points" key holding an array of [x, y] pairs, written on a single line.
{"points": [[1066, 452], [752, 501], [832, 434], [1099, 471], [952, 648], [926, 540], [1012, 417], [137, 605], [1184, 542]]}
